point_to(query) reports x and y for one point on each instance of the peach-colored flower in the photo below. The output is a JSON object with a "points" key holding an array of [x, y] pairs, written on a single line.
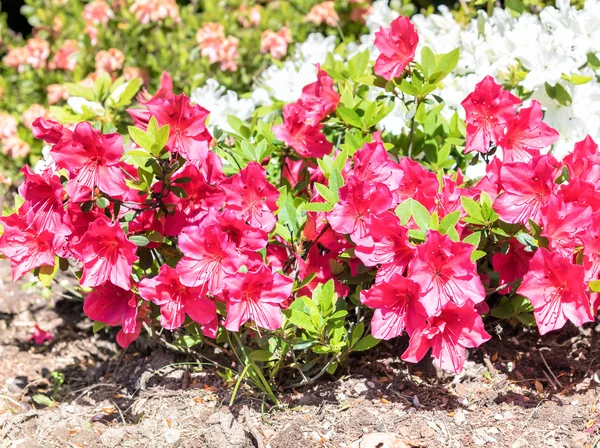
{"points": [[66, 57], [59, 2], [323, 13], [33, 113], [276, 43], [38, 51], [228, 54], [147, 11], [130, 73], [56, 92], [57, 25], [210, 38], [5, 180], [249, 17], [16, 58], [14, 147], [8, 126], [216, 47], [96, 14], [109, 60]]}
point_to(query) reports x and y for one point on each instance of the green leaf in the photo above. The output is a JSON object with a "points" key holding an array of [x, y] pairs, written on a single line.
{"points": [[559, 93], [594, 286], [516, 6], [316, 207], [260, 355], [420, 215], [140, 137], [449, 221], [102, 202], [357, 333], [577, 79], [235, 123], [326, 193], [301, 320], [365, 343], [46, 274], [332, 368], [473, 239], [349, 116], [477, 254], [336, 181], [472, 208], [98, 326], [44, 400], [79, 90], [139, 240], [428, 61]]}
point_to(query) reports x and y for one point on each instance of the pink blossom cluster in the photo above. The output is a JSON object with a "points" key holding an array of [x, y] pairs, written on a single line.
{"points": [[109, 61], [249, 17], [96, 14], [323, 13], [147, 11], [66, 56], [527, 190], [11, 143], [276, 43], [217, 47], [220, 225], [35, 54], [302, 129]]}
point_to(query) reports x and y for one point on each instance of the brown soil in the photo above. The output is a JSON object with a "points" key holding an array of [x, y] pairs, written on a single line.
{"points": [[147, 397]]}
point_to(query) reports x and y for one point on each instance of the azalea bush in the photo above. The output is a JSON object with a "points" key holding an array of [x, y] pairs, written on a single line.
{"points": [[306, 229]]}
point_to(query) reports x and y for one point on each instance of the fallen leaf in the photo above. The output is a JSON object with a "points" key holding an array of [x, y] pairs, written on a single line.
{"points": [[539, 386]]}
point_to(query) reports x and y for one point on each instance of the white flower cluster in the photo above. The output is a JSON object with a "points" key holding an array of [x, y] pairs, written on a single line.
{"points": [[221, 103]]}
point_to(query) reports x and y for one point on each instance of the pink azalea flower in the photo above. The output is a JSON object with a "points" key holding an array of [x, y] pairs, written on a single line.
{"points": [[397, 306], [359, 202], [176, 300], [488, 109], [257, 295], [48, 130], [40, 336], [397, 45], [112, 306], [209, 257], [584, 162], [25, 246], [513, 264], [44, 196], [448, 335], [320, 264], [372, 164], [564, 223], [445, 272], [526, 134], [318, 99], [386, 247], [307, 140], [250, 194], [106, 253], [147, 11], [188, 134], [527, 189], [556, 289], [416, 183], [93, 160]]}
